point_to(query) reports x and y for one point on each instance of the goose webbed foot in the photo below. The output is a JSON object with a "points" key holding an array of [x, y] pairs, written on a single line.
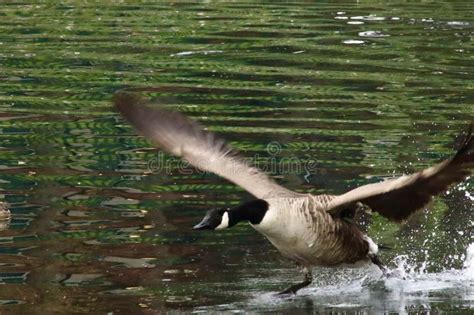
{"points": [[308, 278]]}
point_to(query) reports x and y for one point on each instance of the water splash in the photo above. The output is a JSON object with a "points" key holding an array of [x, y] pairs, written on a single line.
{"points": [[468, 267], [410, 287]]}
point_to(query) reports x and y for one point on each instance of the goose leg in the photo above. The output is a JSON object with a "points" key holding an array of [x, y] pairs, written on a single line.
{"points": [[376, 260], [308, 278]]}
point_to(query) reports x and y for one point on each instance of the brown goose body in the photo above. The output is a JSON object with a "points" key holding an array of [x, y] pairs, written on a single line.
{"points": [[309, 235], [311, 230]]}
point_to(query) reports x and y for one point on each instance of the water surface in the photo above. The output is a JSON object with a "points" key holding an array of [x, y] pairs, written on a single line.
{"points": [[325, 96]]}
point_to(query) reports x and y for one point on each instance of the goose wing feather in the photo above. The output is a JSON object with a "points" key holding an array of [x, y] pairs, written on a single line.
{"points": [[398, 198], [185, 138]]}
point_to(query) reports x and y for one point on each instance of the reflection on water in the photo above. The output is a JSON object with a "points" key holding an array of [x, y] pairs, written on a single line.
{"points": [[359, 91]]}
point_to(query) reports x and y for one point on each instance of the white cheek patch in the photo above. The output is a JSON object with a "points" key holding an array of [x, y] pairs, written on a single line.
{"points": [[224, 222]]}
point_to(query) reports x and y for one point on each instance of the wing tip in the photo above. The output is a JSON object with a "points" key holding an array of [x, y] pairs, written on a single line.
{"points": [[469, 137], [124, 101], [467, 144]]}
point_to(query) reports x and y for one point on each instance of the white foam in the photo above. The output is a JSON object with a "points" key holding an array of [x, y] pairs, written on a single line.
{"points": [[468, 268]]}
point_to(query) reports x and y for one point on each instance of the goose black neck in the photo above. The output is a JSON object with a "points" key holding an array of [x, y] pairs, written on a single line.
{"points": [[252, 211]]}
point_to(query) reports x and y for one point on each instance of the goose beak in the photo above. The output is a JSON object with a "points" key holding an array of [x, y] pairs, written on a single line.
{"points": [[203, 225]]}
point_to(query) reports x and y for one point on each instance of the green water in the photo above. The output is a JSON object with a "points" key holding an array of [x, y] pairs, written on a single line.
{"points": [[351, 91]]}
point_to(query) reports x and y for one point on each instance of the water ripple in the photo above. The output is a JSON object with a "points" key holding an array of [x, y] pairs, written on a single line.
{"points": [[363, 90]]}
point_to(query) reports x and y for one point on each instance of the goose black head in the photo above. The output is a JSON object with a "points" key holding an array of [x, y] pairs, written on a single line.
{"points": [[215, 219]]}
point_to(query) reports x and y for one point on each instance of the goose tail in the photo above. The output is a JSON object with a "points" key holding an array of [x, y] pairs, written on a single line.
{"points": [[385, 247]]}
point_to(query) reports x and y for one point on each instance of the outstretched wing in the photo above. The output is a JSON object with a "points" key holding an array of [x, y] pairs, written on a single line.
{"points": [[398, 198], [185, 138]]}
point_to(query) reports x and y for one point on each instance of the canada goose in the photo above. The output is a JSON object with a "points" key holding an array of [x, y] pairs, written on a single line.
{"points": [[4, 211], [5, 216], [309, 229]]}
